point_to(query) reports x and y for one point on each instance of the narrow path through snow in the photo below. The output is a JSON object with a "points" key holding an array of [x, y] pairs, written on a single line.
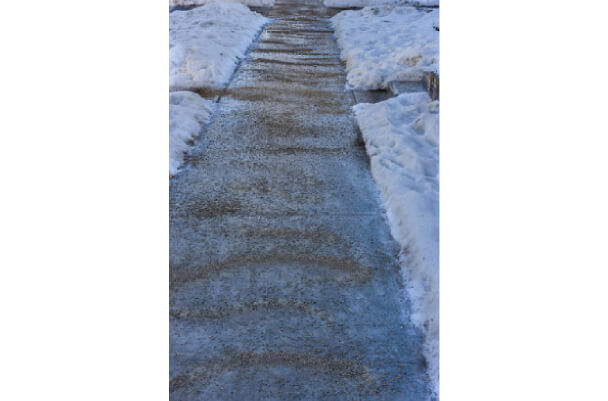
{"points": [[285, 283]]}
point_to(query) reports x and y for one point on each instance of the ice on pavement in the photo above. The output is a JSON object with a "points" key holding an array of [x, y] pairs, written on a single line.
{"points": [[206, 43], [370, 3], [188, 113], [384, 44], [251, 3], [360, 3], [402, 140]]}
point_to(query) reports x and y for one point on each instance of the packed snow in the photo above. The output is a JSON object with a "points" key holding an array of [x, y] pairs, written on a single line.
{"points": [[371, 3], [384, 44], [250, 3], [206, 43], [188, 113], [402, 139]]}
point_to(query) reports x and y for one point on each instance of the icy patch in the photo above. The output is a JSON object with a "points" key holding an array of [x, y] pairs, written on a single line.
{"points": [[361, 3], [250, 3], [402, 139], [188, 112], [384, 44], [206, 43], [371, 3]]}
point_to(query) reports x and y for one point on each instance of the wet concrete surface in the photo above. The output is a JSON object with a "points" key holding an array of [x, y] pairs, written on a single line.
{"points": [[284, 278]]}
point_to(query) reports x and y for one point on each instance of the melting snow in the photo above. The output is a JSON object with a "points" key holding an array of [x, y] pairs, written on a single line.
{"points": [[251, 3], [206, 43], [384, 44], [370, 3], [188, 112], [402, 139]]}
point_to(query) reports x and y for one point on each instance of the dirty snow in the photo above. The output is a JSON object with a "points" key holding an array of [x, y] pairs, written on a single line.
{"points": [[371, 3], [250, 3], [384, 44], [402, 139], [206, 43], [188, 112]]}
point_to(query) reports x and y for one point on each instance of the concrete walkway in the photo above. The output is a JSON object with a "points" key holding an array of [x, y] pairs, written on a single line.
{"points": [[285, 283]]}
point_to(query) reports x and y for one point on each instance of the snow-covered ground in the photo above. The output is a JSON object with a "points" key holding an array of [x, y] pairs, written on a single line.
{"points": [[370, 3], [251, 3], [206, 43], [188, 113], [402, 139], [384, 44]]}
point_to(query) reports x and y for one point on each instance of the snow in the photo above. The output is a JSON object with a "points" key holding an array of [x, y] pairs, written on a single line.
{"points": [[371, 3], [188, 112], [206, 43], [384, 44], [250, 3], [402, 140]]}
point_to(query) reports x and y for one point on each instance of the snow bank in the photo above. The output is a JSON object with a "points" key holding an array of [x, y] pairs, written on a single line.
{"points": [[205, 43], [402, 139], [371, 3], [188, 112], [250, 3], [383, 44]]}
